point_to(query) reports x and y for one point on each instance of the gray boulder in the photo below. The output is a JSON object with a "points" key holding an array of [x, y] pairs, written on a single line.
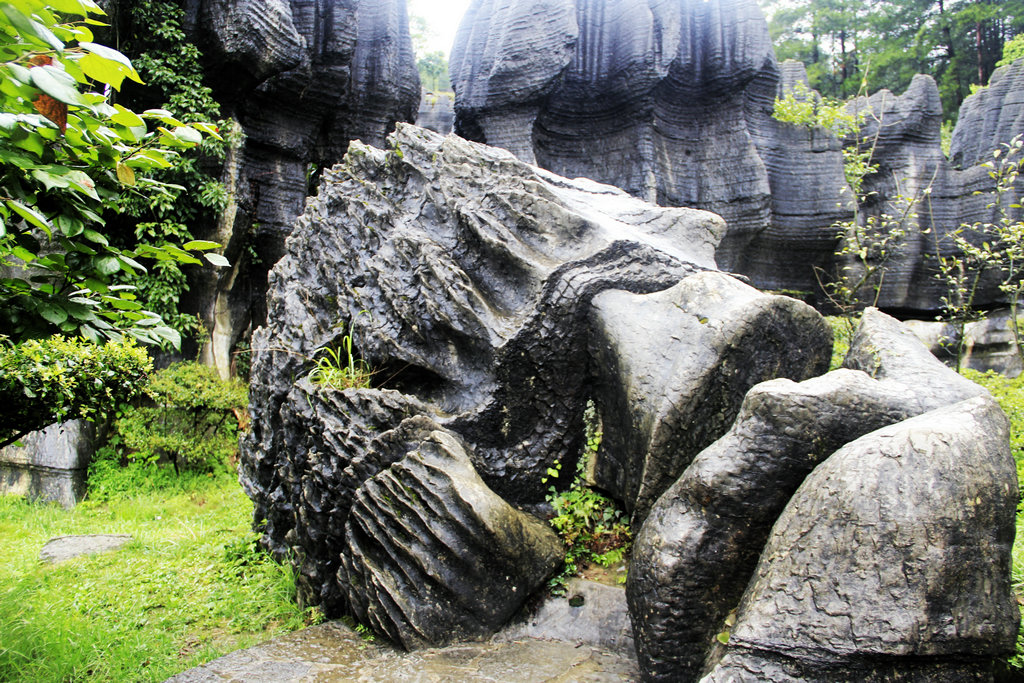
{"points": [[885, 349], [892, 560], [697, 550], [51, 464], [433, 556], [463, 278], [673, 368]]}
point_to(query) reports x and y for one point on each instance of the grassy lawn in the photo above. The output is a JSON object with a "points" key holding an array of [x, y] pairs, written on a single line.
{"points": [[190, 587]]}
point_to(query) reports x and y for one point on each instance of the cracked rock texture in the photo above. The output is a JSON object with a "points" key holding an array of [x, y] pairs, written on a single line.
{"points": [[697, 550], [891, 561], [301, 79], [433, 556], [464, 278], [673, 368]]}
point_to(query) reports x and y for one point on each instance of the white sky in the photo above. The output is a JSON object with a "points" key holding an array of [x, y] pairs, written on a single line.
{"points": [[443, 17]]}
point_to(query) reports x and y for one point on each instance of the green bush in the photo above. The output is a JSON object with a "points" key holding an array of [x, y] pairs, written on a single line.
{"points": [[190, 418], [51, 380], [592, 528]]}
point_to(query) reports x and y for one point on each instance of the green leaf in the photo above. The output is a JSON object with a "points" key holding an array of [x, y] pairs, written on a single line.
{"points": [[69, 6], [23, 253], [30, 28], [125, 174], [108, 265], [126, 117], [31, 215], [94, 236], [53, 314], [187, 135], [57, 85], [200, 245], [218, 260]]}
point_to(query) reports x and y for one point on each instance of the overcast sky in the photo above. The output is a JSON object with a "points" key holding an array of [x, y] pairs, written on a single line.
{"points": [[443, 16]]}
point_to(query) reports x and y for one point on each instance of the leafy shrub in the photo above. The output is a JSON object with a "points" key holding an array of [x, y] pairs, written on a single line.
{"points": [[190, 418], [592, 528], [51, 380]]}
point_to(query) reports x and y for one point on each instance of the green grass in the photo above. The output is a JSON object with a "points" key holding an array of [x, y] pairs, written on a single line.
{"points": [[191, 586]]}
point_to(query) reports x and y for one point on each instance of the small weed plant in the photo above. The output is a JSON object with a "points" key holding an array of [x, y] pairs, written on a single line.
{"points": [[340, 369], [592, 528]]}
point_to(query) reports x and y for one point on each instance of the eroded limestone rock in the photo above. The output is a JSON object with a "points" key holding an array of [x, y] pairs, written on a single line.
{"points": [[673, 368], [463, 278], [696, 552], [892, 560], [433, 556]]}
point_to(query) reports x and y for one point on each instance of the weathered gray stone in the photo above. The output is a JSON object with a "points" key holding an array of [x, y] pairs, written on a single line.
{"points": [[589, 613], [892, 560], [463, 277], [697, 550], [301, 79], [65, 548], [334, 652], [433, 556], [437, 112], [673, 367], [51, 464], [887, 350], [988, 343], [990, 117]]}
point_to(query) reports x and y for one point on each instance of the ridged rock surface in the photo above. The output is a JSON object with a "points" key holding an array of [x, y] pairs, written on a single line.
{"points": [[301, 79], [696, 551], [673, 368], [433, 556], [891, 562], [464, 278], [989, 117], [672, 101]]}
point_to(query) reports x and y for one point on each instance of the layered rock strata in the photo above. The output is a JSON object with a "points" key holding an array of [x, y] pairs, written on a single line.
{"points": [[672, 101], [300, 80]]}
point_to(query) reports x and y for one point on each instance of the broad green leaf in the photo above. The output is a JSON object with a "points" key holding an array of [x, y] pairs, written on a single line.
{"points": [[103, 70], [52, 313], [21, 73], [31, 29], [102, 51], [218, 260], [187, 135], [126, 117], [83, 183], [69, 6], [23, 253], [49, 180], [108, 265], [123, 305], [31, 215], [56, 84], [95, 237], [199, 245], [163, 116]]}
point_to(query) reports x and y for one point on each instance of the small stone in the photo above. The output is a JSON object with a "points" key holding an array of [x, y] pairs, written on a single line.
{"points": [[65, 548]]}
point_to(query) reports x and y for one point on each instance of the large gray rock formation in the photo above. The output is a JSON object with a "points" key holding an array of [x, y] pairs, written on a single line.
{"points": [[695, 553], [673, 367], [672, 102], [891, 562], [301, 79], [432, 555], [990, 117], [464, 278]]}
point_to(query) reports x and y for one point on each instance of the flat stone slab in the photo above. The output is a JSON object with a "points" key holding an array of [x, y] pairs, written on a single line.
{"points": [[334, 652], [65, 548]]}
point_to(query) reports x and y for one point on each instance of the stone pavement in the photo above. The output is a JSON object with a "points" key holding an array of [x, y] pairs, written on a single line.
{"points": [[582, 637], [334, 652]]}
